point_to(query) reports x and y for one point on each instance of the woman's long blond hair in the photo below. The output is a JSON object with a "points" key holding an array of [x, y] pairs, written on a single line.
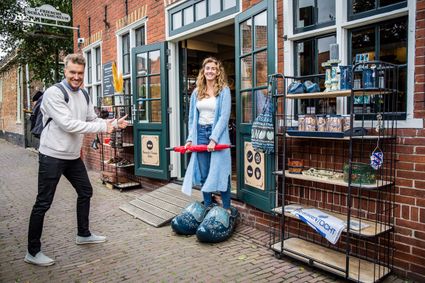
{"points": [[220, 82]]}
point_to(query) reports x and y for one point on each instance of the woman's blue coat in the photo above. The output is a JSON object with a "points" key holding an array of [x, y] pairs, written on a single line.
{"points": [[221, 162]]}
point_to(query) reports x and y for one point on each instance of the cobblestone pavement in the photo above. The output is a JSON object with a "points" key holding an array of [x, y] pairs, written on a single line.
{"points": [[134, 252]]}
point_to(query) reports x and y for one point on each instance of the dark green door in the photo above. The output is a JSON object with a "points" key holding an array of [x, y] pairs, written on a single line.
{"points": [[150, 102], [255, 59]]}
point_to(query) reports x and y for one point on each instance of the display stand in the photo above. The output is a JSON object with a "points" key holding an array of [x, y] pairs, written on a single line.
{"points": [[341, 167], [117, 152]]}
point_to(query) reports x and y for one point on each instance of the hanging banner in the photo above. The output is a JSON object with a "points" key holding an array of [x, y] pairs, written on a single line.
{"points": [[150, 150], [254, 167], [47, 12]]}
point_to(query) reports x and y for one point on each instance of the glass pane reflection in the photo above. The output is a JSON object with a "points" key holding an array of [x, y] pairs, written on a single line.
{"points": [[142, 63], [245, 34], [246, 72], [155, 62], [260, 22], [246, 107]]}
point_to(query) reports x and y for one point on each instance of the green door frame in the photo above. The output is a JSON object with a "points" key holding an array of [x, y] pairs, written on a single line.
{"points": [[260, 199], [155, 132]]}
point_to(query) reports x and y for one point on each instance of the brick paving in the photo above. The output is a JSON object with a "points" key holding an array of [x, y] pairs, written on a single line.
{"points": [[135, 251]]}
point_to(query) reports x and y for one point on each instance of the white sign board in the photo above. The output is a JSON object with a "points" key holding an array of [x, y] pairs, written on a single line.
{"points": [[47, 12]]}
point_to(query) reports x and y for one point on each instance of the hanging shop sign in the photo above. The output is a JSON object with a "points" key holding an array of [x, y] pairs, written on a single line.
{"points": [[47, 12], [254, 167], [150, 150], [108, 88]]}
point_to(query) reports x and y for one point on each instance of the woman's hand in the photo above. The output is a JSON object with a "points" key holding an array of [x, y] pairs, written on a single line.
{"points": [[189, 143], [211, 145]]}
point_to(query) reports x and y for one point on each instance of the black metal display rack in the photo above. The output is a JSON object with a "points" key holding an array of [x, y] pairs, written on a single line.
{"points": [[117, 148], [325, 174]]}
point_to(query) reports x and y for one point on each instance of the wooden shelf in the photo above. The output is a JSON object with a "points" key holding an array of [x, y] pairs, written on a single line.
{"points": [[373, 228], [124, 144], [378, 184], [337, 93], [118, 166], [342, 139], [331, 260]]}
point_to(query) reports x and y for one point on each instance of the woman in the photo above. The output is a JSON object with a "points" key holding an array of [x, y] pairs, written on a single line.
{"points": [[209, 114]]}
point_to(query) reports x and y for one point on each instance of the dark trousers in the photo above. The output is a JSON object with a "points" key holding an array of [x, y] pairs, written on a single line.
{"points": [[50, 171]]}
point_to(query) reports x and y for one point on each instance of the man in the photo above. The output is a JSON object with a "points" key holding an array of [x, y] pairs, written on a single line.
{"points": [[59, 154]]}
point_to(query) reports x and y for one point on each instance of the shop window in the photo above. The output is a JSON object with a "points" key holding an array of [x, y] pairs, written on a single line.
{"points": [[193, 13], [385, 41], [129, 38], [93, 79], [365, 8], [313, 14], [311, 53]]}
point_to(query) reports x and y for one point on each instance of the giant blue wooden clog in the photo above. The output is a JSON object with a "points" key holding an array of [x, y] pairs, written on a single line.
{"points": [[218, 225], [187, 222]]}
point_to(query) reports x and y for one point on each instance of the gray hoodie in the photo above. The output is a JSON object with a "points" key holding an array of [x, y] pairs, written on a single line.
{"points": [[63, 137]]}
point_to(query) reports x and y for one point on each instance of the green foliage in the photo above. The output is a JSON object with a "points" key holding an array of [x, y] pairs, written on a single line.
{"points": [[42, 47]]}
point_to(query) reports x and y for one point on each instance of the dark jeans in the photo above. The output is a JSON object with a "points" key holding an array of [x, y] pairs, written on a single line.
{"points": [[204, 158], [50, 171]]}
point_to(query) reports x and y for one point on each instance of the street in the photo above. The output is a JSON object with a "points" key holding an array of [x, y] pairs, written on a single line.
{"points": [[135, 251]]}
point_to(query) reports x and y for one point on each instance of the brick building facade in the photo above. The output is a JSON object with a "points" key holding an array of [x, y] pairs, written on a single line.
{"points": [[111, 28]]}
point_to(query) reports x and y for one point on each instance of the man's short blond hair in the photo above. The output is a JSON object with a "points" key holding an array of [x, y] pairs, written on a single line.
{"points": [[75, 58]]}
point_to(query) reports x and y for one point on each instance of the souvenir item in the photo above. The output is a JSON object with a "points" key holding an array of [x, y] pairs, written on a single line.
{"points": [[334, 123], [311, 87], [187, 222], [346, 122], [361, 173], [310, 123], [218, 225], [321, 123], [301, 122], [296, 87], [295, 166]]}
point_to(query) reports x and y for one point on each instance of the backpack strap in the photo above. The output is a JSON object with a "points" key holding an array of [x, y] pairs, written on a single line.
{"points": [[66, 95], [86, 94]]}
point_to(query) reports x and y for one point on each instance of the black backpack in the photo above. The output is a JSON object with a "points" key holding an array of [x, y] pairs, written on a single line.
{"points": [[37, 117]]}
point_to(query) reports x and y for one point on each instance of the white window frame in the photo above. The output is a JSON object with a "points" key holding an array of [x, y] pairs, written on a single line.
{"points": [[94, 84], [341, 28], [131, 30]]}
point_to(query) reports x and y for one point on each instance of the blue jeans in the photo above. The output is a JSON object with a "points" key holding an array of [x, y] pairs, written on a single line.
{"points": [[204, 158]]}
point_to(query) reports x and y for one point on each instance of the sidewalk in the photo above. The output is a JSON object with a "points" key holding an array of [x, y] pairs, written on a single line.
{"points": [[135, 251]]}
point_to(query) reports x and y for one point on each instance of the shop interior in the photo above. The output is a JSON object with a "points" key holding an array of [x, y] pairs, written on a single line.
{"points": [[219, 43]]}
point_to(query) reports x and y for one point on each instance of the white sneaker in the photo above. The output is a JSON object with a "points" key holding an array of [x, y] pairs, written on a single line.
{"points": [[92, 239], [39, 259]]}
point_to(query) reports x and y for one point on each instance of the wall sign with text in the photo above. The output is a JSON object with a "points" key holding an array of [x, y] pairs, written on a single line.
{"points": [[254, 167], [150, 150]]}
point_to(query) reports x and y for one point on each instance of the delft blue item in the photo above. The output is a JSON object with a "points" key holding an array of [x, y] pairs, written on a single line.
{"points": [[188, 221], [218, 225], [346, 77], [367, 77], [311, 87], [296, 87], [377, 158]]}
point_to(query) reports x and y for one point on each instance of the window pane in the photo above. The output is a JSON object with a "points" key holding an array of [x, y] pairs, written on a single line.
{"points": [[363, 41], [323, 50], [155, 92], [228, 4], [142, 63], [188, 15], [305, 13], [393, 39], [363, 5], [305, 55], [98, 64], [177, 20], [260, 98], [214, 7], [89, 68], [261, 69], [200, 10], [126, 54], [127, 86], [155, 62], [126, 64], [389, 2], [246, 34], [246, 107], [141, 92], [325, 11], [260, 22], [140, 36], [246, 72]]}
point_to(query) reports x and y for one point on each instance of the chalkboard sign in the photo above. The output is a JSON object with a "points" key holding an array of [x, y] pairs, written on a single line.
{"points": [[108, 88]]}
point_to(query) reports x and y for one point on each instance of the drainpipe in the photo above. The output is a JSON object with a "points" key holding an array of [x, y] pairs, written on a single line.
{"points": [[27, 74]]}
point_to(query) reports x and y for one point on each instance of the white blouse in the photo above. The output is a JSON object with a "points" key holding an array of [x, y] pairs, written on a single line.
{"points": [[206, 108]]}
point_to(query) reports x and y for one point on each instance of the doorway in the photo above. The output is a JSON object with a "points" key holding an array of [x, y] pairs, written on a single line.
{"points": [[220, 44]]}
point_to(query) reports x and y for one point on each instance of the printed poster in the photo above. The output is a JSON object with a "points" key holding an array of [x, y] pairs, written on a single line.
{"points": [[150, 150], [254, 167]]}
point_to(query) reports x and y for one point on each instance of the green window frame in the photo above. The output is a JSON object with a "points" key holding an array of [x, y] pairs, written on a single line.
{"points": [[378, 8], [194, 13]]}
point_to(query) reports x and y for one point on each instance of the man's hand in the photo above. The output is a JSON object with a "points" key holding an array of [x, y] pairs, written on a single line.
{"points": [[122, 123], [110, 125], [211, 145]]}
